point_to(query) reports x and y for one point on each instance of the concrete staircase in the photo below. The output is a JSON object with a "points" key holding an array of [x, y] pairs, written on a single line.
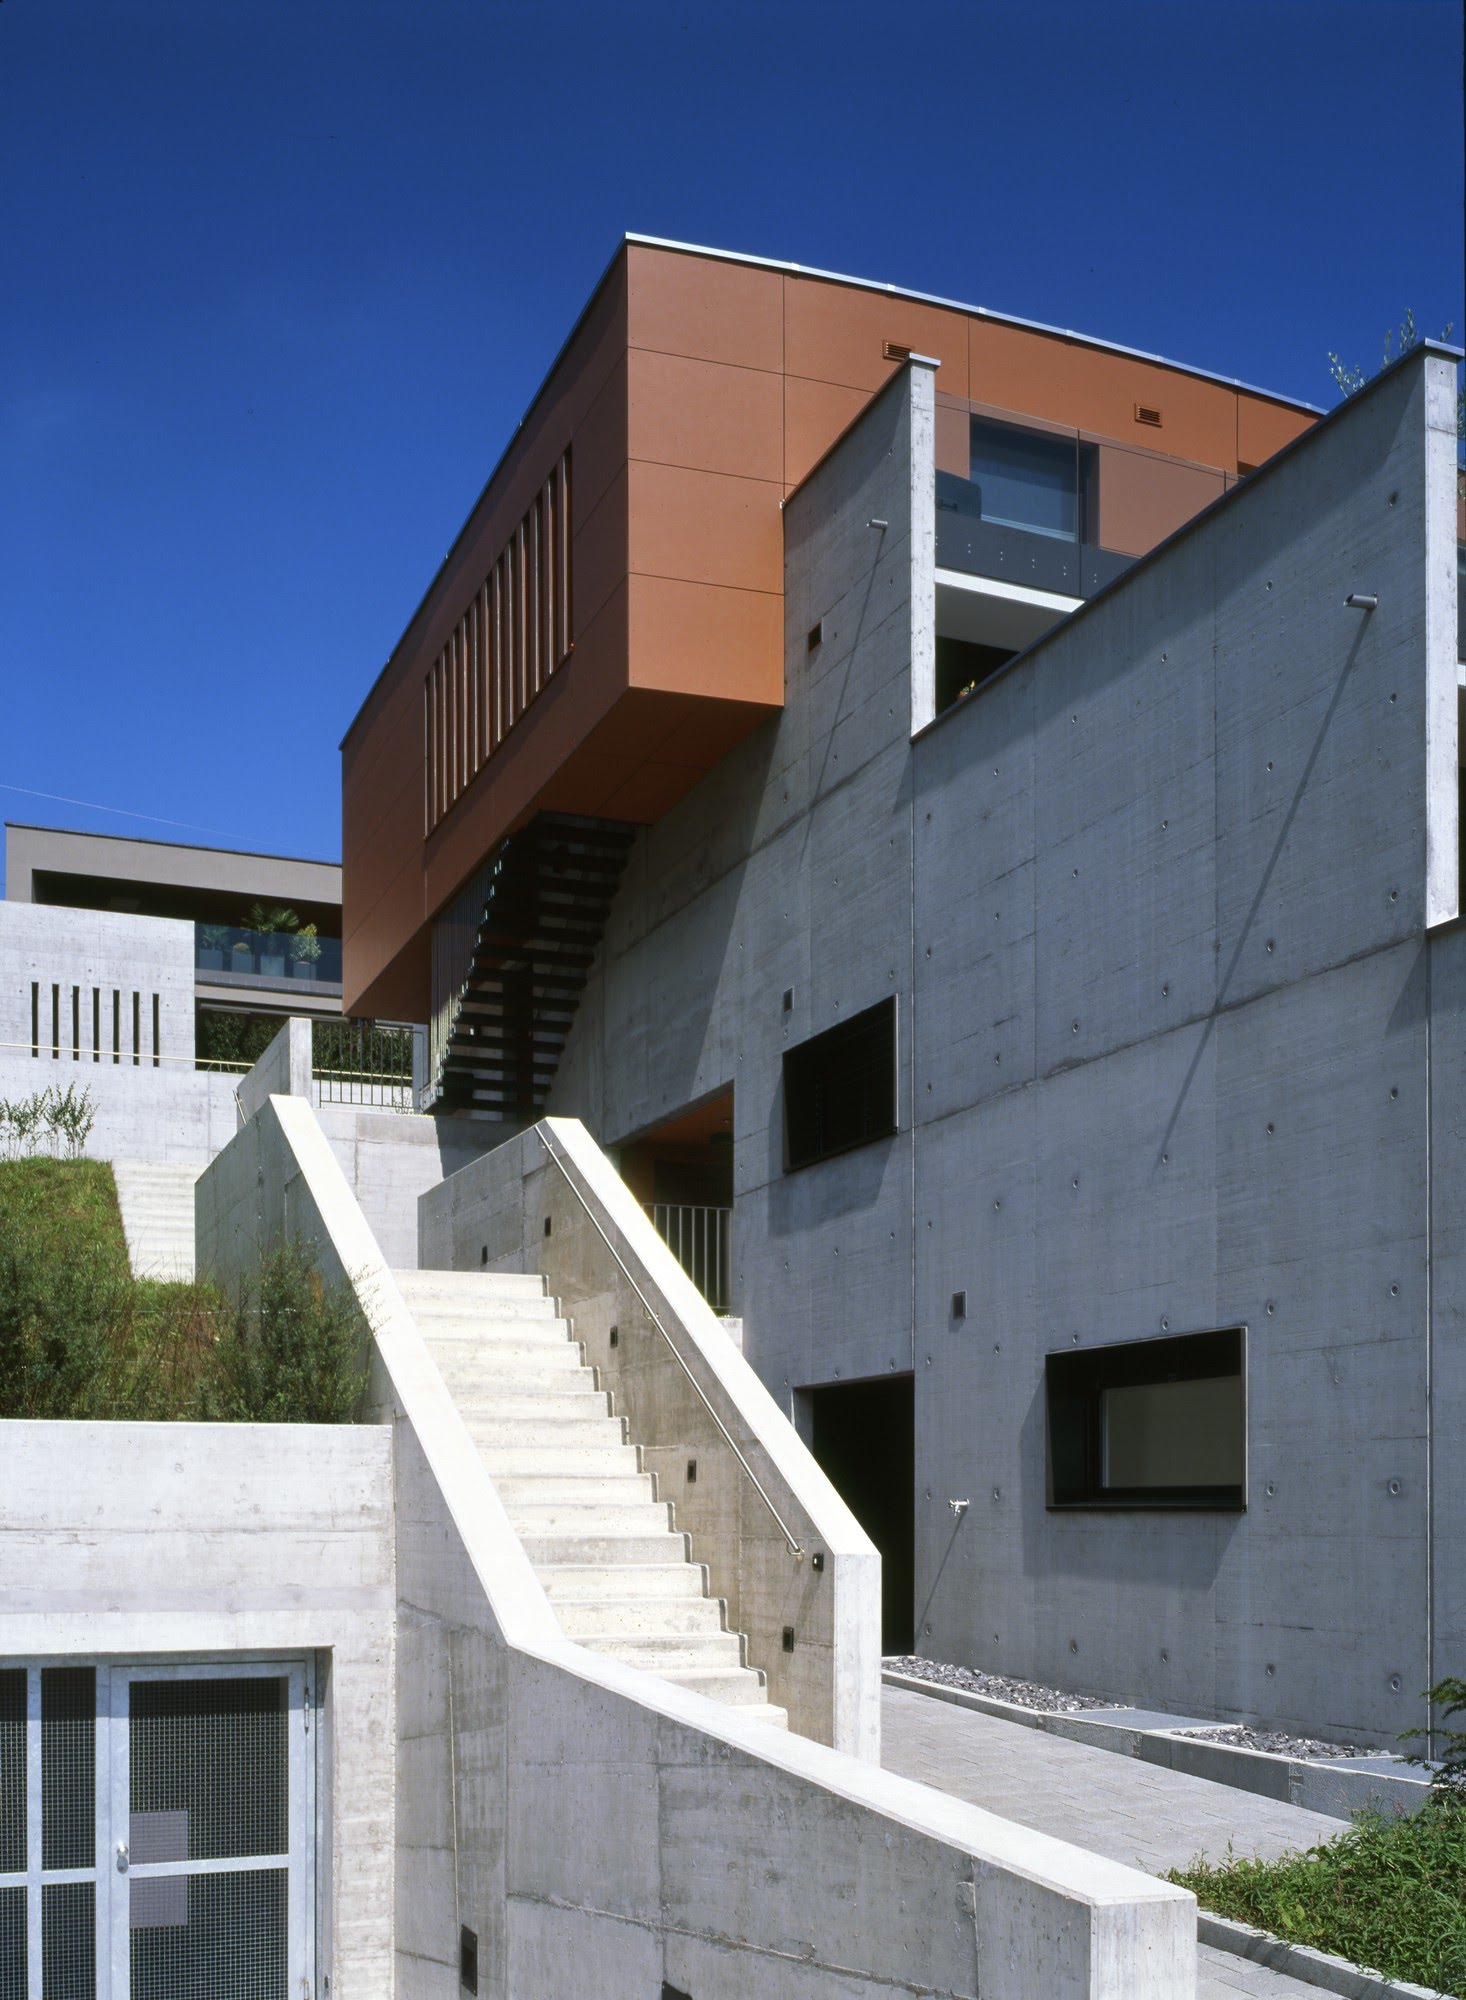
{"points": [[621, 1580], [157, 1216]]}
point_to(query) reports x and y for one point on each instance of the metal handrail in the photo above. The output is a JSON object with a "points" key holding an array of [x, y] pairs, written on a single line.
{"points": [[676, 1353]]}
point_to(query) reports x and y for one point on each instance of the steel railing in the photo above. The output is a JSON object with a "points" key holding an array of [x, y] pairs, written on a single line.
{"points": [[677, 1355], [701, 1240]]}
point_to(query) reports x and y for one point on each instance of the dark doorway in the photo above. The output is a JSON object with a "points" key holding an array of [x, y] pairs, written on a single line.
{"points": [[864, 1436]]}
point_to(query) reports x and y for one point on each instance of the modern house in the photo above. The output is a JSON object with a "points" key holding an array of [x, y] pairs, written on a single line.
{"points": [[969, 815], [241, 972]]}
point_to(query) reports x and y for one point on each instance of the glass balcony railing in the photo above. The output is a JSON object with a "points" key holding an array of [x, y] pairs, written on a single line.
{"points": [[276, 957], [974, 541]]}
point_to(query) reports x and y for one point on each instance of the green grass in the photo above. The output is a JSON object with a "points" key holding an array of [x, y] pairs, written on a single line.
{"points": [[1389, 1894], [81, 1338]]}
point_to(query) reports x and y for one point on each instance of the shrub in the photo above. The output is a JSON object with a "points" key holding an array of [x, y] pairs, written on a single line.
{"points": [[1389, 1894], [292, 1349], [80, 1338]]}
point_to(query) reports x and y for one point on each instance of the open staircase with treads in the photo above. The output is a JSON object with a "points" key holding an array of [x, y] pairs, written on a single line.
{"points": [[619, 1576]]}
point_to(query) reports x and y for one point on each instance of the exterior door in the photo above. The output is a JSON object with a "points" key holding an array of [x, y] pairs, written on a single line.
{"points": [[156, 1832]]}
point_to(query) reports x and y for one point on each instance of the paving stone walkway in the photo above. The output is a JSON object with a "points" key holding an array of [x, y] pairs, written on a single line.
{"points": [[1117, 1806]]}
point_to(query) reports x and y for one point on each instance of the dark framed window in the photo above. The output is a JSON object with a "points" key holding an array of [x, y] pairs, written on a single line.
{"points": [[840, 1087], [1149, 1423]]}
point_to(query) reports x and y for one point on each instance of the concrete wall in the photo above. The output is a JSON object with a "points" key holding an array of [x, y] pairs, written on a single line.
{"points": [[193, 1541], [389, 1157], [550, 1201], [600, 1829], [1154, 905]]}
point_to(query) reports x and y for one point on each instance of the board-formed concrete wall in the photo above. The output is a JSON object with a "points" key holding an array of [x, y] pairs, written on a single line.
{"points": [[1154, 904], [601, 1830], [193, 1541]]}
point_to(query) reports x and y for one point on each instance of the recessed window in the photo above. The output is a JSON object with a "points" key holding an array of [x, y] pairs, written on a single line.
{"points": [[1026, 479], [1149, 1423], [840, 1087], [963, 666]]}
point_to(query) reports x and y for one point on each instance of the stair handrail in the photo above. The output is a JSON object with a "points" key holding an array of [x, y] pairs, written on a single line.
{"points": [[677, 1354]]}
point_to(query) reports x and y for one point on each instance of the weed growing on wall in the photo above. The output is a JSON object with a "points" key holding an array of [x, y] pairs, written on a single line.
{"points": [[51, 1123]]}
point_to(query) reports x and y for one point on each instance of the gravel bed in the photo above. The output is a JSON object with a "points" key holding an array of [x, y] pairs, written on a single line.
{"points": [[997, 1687], [1242, 1738]]}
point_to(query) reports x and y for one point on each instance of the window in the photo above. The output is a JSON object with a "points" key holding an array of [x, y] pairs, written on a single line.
{"points": [[840, 1087], [963, 665], [1026, 479], [1149, 1423]]}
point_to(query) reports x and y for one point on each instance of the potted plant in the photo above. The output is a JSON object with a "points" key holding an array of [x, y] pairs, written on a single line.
{"points": [[275, 922], [211, 947], [307, 949], [241, 956]]}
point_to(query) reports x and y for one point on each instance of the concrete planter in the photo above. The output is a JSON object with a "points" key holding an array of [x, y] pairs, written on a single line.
{"points": [[211, 961], [304, 968], [241, 961], [272, 968]]}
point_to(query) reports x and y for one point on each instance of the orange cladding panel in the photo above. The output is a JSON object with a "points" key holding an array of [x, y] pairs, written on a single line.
{"points": [[1044, 375], [703, 308], [706, 415], [705, 527], [698, 638], [815, 414], [1263, 428], [1142, 499], [835, 333]]}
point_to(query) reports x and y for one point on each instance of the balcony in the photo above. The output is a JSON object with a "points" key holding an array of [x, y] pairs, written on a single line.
{"points": [[975, 544], [226, 956], [701, 1239]]}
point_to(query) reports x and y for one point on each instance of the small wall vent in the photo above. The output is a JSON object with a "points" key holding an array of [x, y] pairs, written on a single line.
{"points": [[1145, 414], [468, 1959], [895, 350]]}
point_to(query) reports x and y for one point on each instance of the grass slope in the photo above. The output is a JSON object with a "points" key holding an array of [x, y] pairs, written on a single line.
{"points": [[81, 1338]]}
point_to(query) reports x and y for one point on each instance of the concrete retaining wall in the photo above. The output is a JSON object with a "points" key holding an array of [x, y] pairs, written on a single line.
{"points": [[601, 1830], [189, 1541], [549, 1201]]}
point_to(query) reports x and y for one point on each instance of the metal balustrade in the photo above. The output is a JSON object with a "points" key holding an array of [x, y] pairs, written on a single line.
{"points": [[701, 1239]]}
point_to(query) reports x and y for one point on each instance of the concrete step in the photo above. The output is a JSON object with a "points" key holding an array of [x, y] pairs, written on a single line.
{"points": [[667, 1582], [603, 1547], [491, 1332], [156, 1202], [471, 1284], [523, 1361], [622, 1485], [565, 1400], [435, 1311], [592, 1620], [539, 1473], [598, 1518], [663, 1653], [593, 1431], [740, 1687]]}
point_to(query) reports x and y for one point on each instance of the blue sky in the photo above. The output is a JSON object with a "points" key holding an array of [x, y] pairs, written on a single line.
{"points": [[279, 279]]}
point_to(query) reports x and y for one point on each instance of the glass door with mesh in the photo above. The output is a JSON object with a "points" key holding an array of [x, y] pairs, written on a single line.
{"points": [[156, 1832]]}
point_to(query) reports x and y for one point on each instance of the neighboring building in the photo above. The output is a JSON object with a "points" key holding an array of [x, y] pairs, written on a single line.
{"points": [[1064, 997], [245, 978]]}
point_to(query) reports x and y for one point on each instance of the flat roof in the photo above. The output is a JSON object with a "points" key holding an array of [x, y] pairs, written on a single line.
{"points": [[804, 271], [153, 840]]}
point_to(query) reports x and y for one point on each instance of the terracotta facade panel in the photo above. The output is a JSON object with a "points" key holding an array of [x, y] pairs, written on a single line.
{"points": [[706, 310], [1044, 375], [1143, 499], [1263, 428], [704, 527], [706, 415], [835, 333], [953, 439], [815, 413], [598, 556], [694, 638], [598, 446]]}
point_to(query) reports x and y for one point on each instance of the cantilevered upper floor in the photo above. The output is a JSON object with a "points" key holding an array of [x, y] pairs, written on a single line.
{"points": [[609, 622]]}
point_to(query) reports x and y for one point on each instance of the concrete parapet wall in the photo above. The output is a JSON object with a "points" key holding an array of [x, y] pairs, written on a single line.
{"points": [[101, 953], [284, 1070], [190, 1541], [600, 1829], [550, 1201]]}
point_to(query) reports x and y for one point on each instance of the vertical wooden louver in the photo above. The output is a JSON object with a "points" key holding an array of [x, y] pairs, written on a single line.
{"points": [[512, 636]]}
